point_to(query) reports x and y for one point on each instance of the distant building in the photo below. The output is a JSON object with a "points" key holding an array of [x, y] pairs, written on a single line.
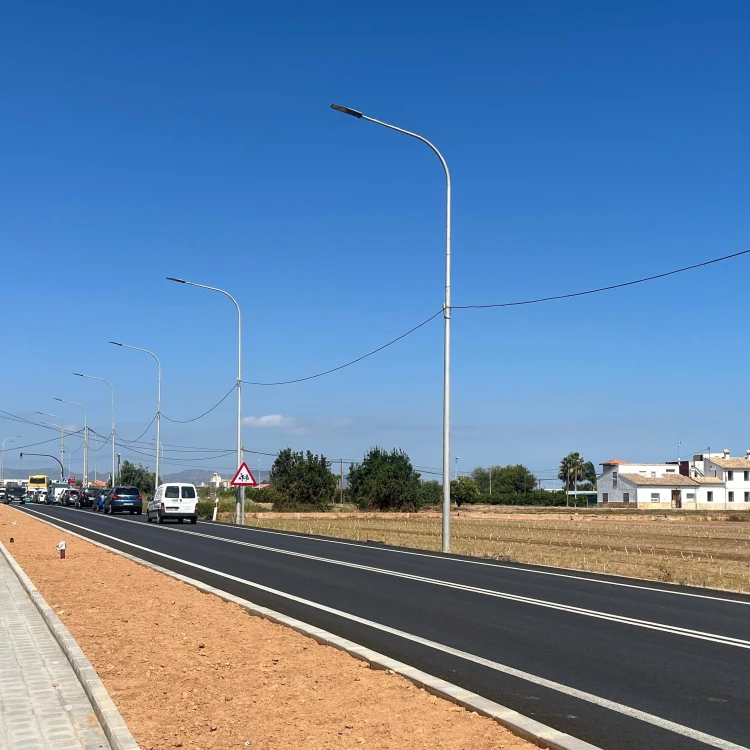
{"points": [[217, 483], [708, 481]]}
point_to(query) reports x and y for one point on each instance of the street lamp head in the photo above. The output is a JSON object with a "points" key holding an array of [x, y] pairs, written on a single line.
{"points": [[179, 281], [347, 111], [116, 343]]}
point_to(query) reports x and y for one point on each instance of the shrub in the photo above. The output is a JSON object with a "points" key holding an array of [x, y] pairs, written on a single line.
{"points": [[385, 481]]}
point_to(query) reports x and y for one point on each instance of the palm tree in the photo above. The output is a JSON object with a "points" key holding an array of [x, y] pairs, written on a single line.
{"points": [[572, 468]]}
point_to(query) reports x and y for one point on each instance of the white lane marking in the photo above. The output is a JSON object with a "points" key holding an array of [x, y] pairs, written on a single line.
{"points": [[723, 640], [497, 666], [502, 566]]}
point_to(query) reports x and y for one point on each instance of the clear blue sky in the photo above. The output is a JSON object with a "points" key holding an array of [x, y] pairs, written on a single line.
{"points": [[589, 143]]}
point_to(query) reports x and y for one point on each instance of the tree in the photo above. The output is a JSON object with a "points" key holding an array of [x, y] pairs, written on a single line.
{"points": [[137, 476], [431, 492], [589, 474], [385, 481], [572, 469], [505, 479], [464, 490], [300, 480]]}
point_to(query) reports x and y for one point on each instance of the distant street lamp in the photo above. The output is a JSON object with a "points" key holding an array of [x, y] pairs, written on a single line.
{"points": [[62, 439], [240, 508], [446, 533], [2, 456], [112, 390], [158, 404], [85, 441]]}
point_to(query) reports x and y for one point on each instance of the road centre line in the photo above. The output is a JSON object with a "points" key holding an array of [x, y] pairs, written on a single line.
{"points": [[620, 619], [629, 711]]}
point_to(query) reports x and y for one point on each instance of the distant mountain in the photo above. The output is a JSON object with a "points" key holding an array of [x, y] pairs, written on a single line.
{"points": [[193, 476]]}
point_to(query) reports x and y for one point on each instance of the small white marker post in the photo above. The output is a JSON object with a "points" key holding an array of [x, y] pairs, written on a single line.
{"points": [[216, 508], [61, 549]]}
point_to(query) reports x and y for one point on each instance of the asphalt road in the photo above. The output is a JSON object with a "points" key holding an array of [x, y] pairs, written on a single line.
{"points": [[620, 663]]}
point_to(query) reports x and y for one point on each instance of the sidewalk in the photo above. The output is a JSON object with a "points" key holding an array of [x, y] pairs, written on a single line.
{"points": [[42, 703]]}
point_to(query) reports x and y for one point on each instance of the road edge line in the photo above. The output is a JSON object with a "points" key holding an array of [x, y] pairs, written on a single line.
{"points": [[541, 735], [111, 720]]}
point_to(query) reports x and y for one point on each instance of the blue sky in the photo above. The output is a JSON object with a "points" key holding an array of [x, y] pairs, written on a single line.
{"points": [[589, 143]]}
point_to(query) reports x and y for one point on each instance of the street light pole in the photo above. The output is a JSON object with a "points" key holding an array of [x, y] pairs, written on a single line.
{"points": [[240, 508], [158, 405], [112, 390], [62, 439], [457, 459], [2, 457], [85, 441], [446, 532]]}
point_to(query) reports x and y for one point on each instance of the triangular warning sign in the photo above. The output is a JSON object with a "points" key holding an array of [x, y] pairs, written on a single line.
{"points": [[244, 477]]}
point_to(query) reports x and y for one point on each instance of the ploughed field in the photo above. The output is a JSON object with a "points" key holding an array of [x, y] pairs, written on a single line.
{"points": [[695, 551]]}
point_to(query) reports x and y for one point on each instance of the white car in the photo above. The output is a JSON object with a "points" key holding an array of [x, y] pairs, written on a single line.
{"points": [[177, 500]]}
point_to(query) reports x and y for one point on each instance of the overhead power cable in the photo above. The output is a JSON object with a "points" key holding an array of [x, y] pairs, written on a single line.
{"points": [[508, 304], [603, 288], [354, 361], [200, 416], [122, 439]]}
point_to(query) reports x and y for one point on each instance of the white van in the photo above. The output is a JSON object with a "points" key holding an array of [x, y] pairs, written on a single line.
{"points": [[173, 500]]}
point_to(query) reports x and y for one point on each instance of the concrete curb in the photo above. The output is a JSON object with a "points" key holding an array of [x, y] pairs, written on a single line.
{"points": [[522, 726], [114, 726]]}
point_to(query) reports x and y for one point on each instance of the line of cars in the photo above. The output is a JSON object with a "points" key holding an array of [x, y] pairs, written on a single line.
{"points": [[171, 501]]}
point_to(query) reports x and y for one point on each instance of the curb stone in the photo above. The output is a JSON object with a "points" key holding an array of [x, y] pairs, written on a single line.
{"points": [[522, 726], [114, 726]]}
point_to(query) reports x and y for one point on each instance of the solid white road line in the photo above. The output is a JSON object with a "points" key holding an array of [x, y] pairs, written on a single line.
{"points": [[620, 619], [503, 668]]}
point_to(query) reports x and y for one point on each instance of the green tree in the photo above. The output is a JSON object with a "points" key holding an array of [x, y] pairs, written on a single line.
{"points": [[137, 476], [589, 475], [464, 490], [431, 492], [385, 481], [572, 469], [482, 478], [299, 480]]}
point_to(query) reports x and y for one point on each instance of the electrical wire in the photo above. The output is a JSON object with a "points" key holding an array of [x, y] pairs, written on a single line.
{"points": [[603, 288], [200, 416], [354, 361], [123, 440]]}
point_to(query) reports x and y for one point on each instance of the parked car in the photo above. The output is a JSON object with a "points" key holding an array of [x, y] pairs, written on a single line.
{"points": [[68, 497], [177, 500], [99, 504], [14, 493], [3, 495], [86, 498], [123, 499], [41, 497]]}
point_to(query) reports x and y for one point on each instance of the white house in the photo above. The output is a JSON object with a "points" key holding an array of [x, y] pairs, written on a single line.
{"points": [[217, 483], [718, 482]]}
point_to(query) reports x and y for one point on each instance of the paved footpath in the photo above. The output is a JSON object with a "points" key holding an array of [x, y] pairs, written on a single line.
{"points": [[42, 703]]}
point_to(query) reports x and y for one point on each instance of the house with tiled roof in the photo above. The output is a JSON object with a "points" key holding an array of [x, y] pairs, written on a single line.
{"points": [[708, 481]]}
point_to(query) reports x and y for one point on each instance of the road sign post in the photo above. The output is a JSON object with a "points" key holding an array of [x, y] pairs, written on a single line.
{"points": [[244, 477]]}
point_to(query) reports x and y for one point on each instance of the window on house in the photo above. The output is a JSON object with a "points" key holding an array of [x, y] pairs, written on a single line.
{"points": [[709, 497], [614, 479], [642, 472], [605, 497], [691, 496], [731, 497], [626, 497], [747, 497], [747, 476], [654, 497], [653, 473], [670, 471], [730, 476]]}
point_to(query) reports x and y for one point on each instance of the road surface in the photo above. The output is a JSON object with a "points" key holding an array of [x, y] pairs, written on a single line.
{"points": [[620, 663]]}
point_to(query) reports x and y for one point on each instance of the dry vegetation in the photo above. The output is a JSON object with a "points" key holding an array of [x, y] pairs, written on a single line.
{"points": [[678, 548]]}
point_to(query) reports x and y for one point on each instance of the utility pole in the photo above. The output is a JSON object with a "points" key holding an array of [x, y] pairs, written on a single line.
{"points": [[490, 473], [342, 481]]}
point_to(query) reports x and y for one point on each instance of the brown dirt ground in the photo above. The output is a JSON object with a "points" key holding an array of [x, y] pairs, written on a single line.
{"points": [[188, 670]]}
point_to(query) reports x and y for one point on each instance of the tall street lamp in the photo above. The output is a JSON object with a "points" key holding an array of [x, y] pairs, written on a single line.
{"points": [[85, 439], [2, 456], [446, 316], [112, 436], [240, 509], [62, 439], [158, 404]]}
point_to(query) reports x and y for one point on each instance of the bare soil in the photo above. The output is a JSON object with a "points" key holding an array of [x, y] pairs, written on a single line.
{"points": [[188, 670]]}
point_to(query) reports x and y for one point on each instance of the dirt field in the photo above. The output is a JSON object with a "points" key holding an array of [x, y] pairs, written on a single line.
{"points": [[676, 548], [188, 670]]}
